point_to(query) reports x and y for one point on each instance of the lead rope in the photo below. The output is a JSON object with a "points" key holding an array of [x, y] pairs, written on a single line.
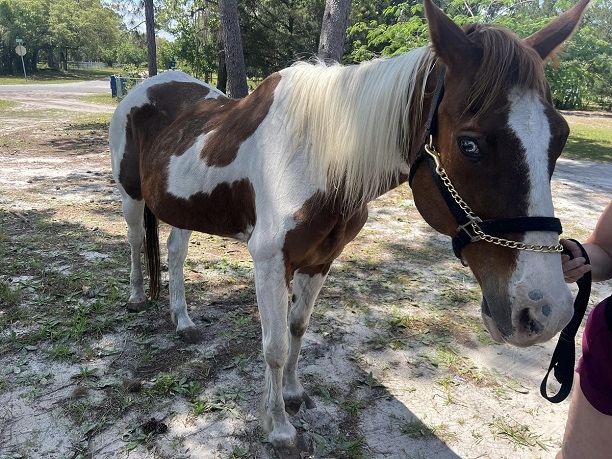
{"points": [[564, 356]]}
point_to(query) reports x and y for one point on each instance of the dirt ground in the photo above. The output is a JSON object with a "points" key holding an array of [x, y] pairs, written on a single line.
{"points": [[396, 357]]}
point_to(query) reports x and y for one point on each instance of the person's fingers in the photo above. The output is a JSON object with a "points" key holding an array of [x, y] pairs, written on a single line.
{"points": [[572, 275], [572, 247], [573, 264]]}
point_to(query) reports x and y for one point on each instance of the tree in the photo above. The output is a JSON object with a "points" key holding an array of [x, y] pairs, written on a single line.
{"points": [[333, 29], [232, 43], [150, 27], [83, 28]]}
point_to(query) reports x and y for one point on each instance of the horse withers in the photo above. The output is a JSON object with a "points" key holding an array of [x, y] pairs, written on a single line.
{"points": [[290, 170]]}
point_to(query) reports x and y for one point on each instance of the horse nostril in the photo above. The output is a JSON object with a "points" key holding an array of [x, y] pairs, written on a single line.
{"points": [[529, 324]]}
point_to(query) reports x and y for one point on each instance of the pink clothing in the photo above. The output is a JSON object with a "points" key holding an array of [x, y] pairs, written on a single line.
{"points": [[595, 365]]}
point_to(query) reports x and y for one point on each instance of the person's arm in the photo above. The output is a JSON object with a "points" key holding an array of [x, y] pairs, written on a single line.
{"points": [[599, 248]]}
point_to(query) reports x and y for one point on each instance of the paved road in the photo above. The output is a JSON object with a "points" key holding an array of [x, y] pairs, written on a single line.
{"points": [[80, 87], [61, 96]]}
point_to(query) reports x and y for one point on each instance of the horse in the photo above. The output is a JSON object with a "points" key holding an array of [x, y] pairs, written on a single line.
{"points": [[468, 120]]}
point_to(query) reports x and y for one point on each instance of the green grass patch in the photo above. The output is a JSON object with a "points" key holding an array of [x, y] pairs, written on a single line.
{"points": [[7, 104], [103, 98], [590, 138], [58, 76], [517, 433]]}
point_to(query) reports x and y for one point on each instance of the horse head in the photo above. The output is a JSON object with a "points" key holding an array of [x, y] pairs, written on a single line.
{"points": [[495, 146]]}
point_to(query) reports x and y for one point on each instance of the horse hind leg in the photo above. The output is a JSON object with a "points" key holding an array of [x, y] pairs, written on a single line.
{"points": [[133, 212], [306, 288], [178, 245]]}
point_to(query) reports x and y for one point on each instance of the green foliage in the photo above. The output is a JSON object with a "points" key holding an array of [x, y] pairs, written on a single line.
{"points": [[581, 78], [81, 29]]}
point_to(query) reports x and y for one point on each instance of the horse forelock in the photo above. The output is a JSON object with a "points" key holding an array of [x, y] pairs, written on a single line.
{"points": [[505, 62], [355, 121]]}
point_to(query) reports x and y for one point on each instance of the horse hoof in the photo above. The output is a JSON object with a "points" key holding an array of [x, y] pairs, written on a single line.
{"points": [[290, 450], [293, 404], [138, 307], [191, 335]]}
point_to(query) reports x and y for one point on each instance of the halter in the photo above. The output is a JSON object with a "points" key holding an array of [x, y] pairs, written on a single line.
{"points": [[470, 227]]}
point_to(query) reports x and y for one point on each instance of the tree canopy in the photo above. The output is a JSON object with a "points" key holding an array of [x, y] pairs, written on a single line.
{"points": [[56, 29]]}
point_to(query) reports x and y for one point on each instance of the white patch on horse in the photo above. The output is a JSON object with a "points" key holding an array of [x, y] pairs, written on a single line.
{"points": [[188, 173], [528, 120], [530, 124]]}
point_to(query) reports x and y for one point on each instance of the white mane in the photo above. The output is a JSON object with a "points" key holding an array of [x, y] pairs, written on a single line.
{"points": [[356, 120]]}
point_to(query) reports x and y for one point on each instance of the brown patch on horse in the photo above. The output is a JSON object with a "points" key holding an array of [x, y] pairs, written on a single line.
{"points": [[129, 171], [226, 211], [229, 121], [145, 123], [322, 231]]}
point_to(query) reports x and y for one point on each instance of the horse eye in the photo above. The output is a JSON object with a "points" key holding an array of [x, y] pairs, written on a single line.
{"points": [[469, 148]]}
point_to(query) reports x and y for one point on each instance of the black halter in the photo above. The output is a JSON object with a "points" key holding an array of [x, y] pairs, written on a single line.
{"points": [[465, 222]]}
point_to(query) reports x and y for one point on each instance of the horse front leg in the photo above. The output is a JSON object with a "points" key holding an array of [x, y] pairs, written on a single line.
{"points": [[133, 212], [306, 288], [272, 302], [178, 245]]}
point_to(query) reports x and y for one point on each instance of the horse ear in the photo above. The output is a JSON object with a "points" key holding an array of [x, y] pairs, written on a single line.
{"points": [[547, 40], [449, 42]]}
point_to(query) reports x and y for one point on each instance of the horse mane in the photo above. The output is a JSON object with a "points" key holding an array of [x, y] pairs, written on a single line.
{"points": [[506, 61], [356, 120]]}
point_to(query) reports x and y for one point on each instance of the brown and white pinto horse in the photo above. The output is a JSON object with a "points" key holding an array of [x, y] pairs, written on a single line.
{"points": [[290, 170]]}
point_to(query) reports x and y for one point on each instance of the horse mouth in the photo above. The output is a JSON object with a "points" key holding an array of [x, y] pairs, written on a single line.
{"points": [[489, 323]]}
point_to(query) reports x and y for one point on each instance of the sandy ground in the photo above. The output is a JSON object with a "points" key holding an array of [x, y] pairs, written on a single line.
{"points": [[464, 421]]}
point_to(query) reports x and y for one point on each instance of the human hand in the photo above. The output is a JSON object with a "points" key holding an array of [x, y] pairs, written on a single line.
{"points": [[573, 268]]}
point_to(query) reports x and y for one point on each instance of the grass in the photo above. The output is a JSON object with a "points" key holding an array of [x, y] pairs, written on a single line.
{"points": [[7, 104], [103, 98], [590, 139], [417, 429], [47, 76], [517, 433]]}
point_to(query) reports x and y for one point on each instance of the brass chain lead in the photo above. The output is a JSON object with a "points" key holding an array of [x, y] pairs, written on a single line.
{"points": [[480, 234]]}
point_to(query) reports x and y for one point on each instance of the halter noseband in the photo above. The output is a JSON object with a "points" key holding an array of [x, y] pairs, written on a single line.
{"points": [[470, 227]]}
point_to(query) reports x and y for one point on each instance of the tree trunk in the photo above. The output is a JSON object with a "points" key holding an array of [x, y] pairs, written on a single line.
{"points": [[50, 59], [333, 29], [232, 43], [150, 27], [222, 73]]}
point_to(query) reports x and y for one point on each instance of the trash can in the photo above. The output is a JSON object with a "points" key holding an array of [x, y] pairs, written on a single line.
{"points": [[113, 85]]}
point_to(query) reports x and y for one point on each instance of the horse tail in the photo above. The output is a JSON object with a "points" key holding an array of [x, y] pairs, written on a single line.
{"points": [[152, 252]]}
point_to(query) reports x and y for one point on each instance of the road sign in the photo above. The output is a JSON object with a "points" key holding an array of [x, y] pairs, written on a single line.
{"points": [[19, 40], [21, 50]]}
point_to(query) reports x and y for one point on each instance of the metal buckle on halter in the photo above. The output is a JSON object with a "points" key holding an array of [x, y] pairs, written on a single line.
{"points": [[470, 227], [430, 149]]}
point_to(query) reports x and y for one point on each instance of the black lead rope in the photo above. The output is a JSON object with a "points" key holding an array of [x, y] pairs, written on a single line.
{"points": [[564, 356]]}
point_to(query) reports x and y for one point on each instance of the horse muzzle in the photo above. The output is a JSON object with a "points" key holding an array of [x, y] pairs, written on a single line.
{"points": [[530, 322]]}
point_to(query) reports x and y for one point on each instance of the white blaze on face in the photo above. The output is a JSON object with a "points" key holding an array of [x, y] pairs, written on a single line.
{"points": [[531, 126], [537, 282]]}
